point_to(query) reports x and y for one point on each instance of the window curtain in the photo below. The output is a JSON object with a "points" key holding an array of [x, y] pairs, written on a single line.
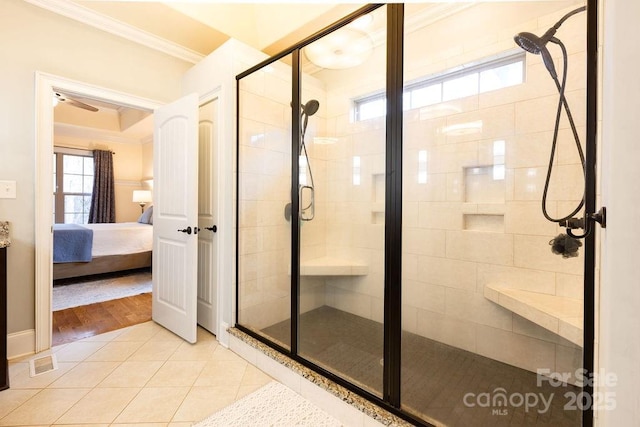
{"points": [[103, 200]]}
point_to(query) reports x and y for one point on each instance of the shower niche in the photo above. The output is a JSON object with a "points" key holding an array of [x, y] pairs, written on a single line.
{"points": [[484, 198]]}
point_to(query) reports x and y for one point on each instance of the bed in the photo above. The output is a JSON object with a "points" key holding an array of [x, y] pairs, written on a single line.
{"points": [[82, 250]]}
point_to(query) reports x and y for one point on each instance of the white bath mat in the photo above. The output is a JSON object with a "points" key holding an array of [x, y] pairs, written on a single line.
{"points": [[271, 405]]}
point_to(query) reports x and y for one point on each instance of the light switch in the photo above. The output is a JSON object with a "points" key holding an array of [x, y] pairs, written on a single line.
{"points": [[7, 189]]}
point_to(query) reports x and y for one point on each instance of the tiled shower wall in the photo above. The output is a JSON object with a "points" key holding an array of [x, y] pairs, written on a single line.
{"points": [[264, 189], [463, 229]]}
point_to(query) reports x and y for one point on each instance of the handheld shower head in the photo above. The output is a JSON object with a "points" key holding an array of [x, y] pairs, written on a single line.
{"points": [[538, 45], [530, 42], [311, 107]]}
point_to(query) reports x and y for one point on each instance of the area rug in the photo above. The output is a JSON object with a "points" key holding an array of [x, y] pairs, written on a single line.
{"points": [[100, 290], [272, 405]]}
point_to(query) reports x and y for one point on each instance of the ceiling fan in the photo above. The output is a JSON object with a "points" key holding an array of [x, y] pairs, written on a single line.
{"points": [[74, 102]]}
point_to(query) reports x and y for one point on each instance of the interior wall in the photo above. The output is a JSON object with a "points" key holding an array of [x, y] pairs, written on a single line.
{"points": [[147, 162], [43, 41], [619, 317]]}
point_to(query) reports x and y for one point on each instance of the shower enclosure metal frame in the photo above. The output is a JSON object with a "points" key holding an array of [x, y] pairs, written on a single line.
{"points": [[391, 399]]}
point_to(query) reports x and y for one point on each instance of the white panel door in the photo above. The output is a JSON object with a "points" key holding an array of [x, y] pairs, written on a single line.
{"points": [[207, 218], [175, 216]]}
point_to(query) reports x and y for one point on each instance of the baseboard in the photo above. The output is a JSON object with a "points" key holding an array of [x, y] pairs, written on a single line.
{"points": [[21, 343]]}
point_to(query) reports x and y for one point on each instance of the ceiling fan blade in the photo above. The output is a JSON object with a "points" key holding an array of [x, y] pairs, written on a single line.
{"points": [[79, 104], [64, 98]]}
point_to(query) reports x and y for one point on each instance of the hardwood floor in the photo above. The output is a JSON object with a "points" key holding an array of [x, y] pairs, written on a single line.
{"points": [[76, 323]]}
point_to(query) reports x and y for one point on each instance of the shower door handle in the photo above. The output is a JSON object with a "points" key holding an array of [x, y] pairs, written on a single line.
{"points": [[309, 208]]}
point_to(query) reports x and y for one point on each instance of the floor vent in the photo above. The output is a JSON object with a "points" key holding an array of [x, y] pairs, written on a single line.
{"points": [[42, 365]]}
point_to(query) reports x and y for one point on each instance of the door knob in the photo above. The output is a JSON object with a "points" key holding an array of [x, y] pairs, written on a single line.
{"points": [[186, 230], [213, 228]]}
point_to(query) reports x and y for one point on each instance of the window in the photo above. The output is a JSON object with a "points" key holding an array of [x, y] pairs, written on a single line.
{"points": [[72, 187], [466, 80]]}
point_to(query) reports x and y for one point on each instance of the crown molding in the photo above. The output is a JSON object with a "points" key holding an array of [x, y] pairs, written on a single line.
{"points": [[102, 22]]}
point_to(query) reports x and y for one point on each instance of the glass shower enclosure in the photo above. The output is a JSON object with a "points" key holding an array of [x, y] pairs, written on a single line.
{"points": [[390, 175]]}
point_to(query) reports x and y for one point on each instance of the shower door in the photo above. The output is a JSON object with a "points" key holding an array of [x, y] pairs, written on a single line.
{"points": [[342, 198], [264, 202], [491, 316]]}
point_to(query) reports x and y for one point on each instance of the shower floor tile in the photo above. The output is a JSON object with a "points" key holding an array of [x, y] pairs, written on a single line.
{"points": [[435, 377]]}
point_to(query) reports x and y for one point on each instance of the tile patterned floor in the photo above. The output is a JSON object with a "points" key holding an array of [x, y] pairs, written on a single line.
{"points": [[435, 377], [143, 374]]}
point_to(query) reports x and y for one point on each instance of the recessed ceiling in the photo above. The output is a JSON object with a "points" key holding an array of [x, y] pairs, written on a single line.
{"points": [[111, 122]]}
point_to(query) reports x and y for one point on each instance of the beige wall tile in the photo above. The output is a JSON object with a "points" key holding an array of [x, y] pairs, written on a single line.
{"points": [[447, 272], [358, 304], [534, 252], [423, 296], [440, 216], [536, 114], [528, 183], [568, 361], [448, 330], [421, 241], [525, 217], [523, 326], [570, 285], [494, 248], [474, 307], [526, 150], [516, 278], [517, 350]]}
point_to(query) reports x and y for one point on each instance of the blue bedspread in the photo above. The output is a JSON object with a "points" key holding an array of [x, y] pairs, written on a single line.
{"points": [[71, 243]]}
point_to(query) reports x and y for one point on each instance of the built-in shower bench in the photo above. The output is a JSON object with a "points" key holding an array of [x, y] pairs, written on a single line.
{"points": [[327, 266], [560, 315]]}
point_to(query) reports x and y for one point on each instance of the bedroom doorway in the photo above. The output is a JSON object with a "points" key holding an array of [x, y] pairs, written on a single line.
{"points": [[45, 85], [110, 288]]}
